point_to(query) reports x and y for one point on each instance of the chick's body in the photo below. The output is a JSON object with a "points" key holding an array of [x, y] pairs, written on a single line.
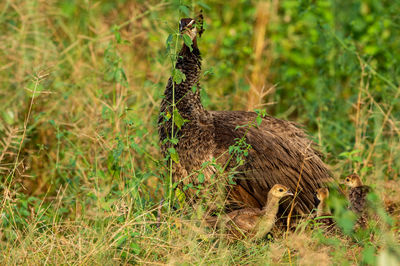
{"points": [[252, 222], [323, 215], [357, 197]]}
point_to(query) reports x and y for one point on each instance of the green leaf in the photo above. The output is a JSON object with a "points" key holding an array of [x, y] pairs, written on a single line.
{"points": [[346, 222], [174, 141], [135, 247], [178, 119], [369, 255], [180, 196], [209, 72], [345, 154], [117, 36], [174, 154], [231, 181], [200, 178], [204, 5], [167, 116], [230, 149], [187, 41], [259, 120], [121, 240], [168, 42], [185, 10], [120, 77], [9, 117], [178, 76]]}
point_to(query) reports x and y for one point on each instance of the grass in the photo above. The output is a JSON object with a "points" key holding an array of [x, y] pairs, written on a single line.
{"points": [[81, 172]]}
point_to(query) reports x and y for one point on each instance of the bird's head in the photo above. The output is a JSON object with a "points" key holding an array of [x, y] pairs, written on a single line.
{"points": [[322, 194], [280, 191], [191, 27], [353, 181]]}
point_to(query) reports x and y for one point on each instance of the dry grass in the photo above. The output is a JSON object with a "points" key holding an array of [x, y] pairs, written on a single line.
{"points": [[81, 173]]}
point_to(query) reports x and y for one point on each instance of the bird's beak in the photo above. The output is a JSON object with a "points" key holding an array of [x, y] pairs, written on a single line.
{"points": [[288, 193], [183, 27], [190, 23]]}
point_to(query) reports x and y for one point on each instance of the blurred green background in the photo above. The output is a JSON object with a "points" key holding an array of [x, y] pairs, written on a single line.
{"points": [[81, 82]]}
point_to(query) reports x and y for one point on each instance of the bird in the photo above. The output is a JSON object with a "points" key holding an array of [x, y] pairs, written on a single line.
{"points": [[392, 207], [322, 194], [277, 151], [357, 196], [253, 223], [323, 215]]}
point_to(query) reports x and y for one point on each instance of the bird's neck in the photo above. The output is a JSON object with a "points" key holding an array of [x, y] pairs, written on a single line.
{"points": [[358, 183], [272, 206], [183, 96], [268, 218], [195, 49], [186, 94], [322, 209]]}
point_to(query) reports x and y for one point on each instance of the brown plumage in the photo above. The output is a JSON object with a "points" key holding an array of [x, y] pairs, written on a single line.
{"points": [[357, 196], [279, 152], [324, 216], [252, 222], [392, 207]]}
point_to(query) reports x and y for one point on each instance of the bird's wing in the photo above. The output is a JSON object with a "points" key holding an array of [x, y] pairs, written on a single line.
{"points": [[212, 221], [366, 190], [279, 152], [357, 198], [247, 219], [244, 219]]}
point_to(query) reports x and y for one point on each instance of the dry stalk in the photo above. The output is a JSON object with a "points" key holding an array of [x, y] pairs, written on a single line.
{"points": [[266, 12], [385, 120], [8, 141], [37, 79]]}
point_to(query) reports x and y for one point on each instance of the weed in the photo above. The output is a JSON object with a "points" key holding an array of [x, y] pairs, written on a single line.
{"points": [[81, 174]]}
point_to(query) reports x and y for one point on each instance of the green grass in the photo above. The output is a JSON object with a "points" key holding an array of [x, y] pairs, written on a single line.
{"points": [[81, 172]]}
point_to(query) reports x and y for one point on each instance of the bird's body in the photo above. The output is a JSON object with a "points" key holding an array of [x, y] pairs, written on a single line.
{"points": [[357, 196], [280, 152], [323, 216], [252, 222]]}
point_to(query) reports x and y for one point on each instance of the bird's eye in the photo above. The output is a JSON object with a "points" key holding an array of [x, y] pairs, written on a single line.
{"points": [[280, 190], [348, 179]]}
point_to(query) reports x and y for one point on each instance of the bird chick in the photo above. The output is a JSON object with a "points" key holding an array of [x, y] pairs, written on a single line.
{"points": [[252, 222], [357, 197], [322, 195], [325, 221]]}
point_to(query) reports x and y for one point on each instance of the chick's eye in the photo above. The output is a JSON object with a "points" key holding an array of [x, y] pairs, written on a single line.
{"points": [[280, 190], [347, 179]]}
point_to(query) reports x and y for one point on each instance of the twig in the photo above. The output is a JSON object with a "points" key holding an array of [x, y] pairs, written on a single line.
{"points": [[159, 212]]}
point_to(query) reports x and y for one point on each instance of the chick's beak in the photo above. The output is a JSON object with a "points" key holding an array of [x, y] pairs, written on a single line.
{"points": [[288, 193]]}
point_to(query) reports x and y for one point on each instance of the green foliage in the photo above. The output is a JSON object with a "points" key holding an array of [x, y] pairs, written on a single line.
{"points": [[81, 175], [178, 76], [188, 42]]}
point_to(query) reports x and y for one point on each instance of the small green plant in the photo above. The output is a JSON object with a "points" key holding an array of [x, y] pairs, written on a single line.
{"points": [[81, 174]]}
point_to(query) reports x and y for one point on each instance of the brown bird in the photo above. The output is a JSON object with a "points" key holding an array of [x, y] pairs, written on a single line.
{"points": [[392, 207], [252, 222], [324, 215], [278, 151], [357, 196], [322, 195]]}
